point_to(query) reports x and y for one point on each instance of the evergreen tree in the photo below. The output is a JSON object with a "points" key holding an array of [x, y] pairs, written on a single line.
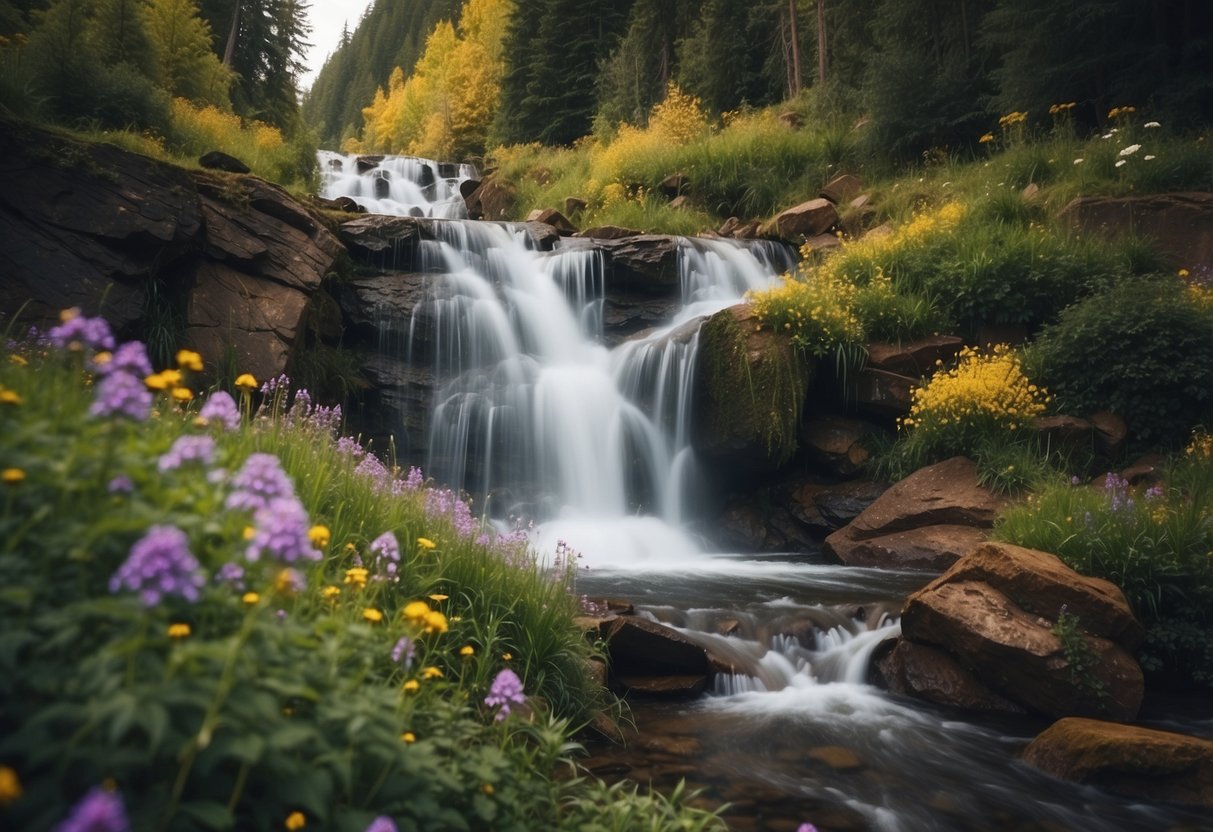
{"points": [[119, 33], [635, 75], [185, 64], [64, 58], [725, 60]]}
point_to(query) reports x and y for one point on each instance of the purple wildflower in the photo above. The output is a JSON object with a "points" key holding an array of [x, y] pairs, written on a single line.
{"points": [[371, 468], [81, 332], [130, 357], [221, 407], [160, 564], [382, 824], [386, 550], [505, 690], [232, 574], [1117, 490], [442, 502], [188, 449], [1154, 492], [414, 479], [806, 827], [98, 811], [259, 481], [122, 394], [281, 532], [404, 652], [348, 446], [121, 484], [282, 381]]}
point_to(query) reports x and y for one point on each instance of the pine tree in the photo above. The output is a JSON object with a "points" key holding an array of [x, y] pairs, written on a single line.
{"points": [[119, 32], [185, 64]]}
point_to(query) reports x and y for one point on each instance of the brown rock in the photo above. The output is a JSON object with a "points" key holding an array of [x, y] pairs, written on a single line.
{"points": [[837, 757], [1017, 654], [1111, 432], [367, 163], [674, 686], [913, 669], [751, 230], [916, 358], [1064, 431], [680, 201], [1030, 193], [1145, 470], [1040, 583], [573, 204], [639, 647], [674, 185], [823, 242], [553, 218], [730, 225], [792, 119], [931, 547], [218, 160], [836, 443], [609, 232], [860, 202], [880, 232], [883, 393], [1135, 762], [842, 188], [1180, 223], [468, 187], [944, 493], [805, 220], [491, 201], [831, 507]]}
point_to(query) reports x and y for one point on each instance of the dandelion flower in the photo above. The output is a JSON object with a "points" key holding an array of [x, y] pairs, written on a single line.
{"points": [[408, 738], [319, 536], [412, 686], [250, 598], [356, 576], [372, 615], [12, 476], [295, 821], [435, 622], [431, 672], [179, 630], [10, 786], [189, 360], [438, 597], [416, 610], [505, 657], [10, 397], [426, 543], [467, 651], [246, 382]]}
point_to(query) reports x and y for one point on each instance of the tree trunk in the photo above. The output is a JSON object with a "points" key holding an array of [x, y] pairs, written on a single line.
{"points": [[821, 42], [229, 52], [794, 74]]}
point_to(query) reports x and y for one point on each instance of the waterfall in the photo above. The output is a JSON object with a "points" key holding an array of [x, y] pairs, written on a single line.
{"points": [[402, 186]]}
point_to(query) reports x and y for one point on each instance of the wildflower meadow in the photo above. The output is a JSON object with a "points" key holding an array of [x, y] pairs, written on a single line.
{"points": [[218, 613]]}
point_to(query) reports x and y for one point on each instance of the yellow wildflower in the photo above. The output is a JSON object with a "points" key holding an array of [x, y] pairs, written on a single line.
{"points": [[412, 686], [249, 532], [372, 615], [295, 821], [426, 543], [245, 381], [435, 622], [156, 381], [408, 738], [250, 598], [487, 788], [357, 576], [189, 360], [319, 535], [12, 476], [10, 786], [416, 611], [183, 394], [19, 360], [467, 651], [431, 672], [178, 630], [10, 397], [438, 597], [988, 137], [171, 377], [330, 593], [505, 657]]}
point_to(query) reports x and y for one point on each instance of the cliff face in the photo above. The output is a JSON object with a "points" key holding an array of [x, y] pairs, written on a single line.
{"points": [[227, 261]]}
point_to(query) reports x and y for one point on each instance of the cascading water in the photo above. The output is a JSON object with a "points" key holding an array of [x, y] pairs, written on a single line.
{"points": [[401, 186], [537, 417]]}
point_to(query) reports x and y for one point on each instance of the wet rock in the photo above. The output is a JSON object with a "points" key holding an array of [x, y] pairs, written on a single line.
{"points": [[381, 241], [750, 392], [553, 218], [730, 225], [367, 163], [609, 232], [468, 187], [1018, 655], [916, 358], [491, 201], [218, 160], [840, 504], [672, 686], [645, 263], [928, 673], [836, 443], [642, 648], [934, 547], [882, 393], [836, 757], [376, 306], [842, 188], [1138, 763], [808, 219], [945, 493]]}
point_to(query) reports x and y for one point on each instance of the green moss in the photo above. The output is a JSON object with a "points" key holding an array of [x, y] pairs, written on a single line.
{"points": [[753, 388]]}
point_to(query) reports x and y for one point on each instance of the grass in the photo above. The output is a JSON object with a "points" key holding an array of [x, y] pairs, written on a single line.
{"points": [[270, 692]]}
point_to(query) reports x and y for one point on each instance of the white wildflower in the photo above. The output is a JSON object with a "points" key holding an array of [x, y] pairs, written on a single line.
{"points": [[1149, 157], [1121, 162], [1151, 124], [1079, 160], [1130, 150]]}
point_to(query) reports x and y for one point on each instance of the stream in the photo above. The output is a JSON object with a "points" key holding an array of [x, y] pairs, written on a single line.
{"points": [[539, 420]]}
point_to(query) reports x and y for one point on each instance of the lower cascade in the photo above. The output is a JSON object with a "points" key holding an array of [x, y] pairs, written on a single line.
{"points": [[590, 448]]}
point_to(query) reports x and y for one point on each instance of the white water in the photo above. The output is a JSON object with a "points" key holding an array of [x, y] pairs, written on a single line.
{"points": [[399, 186]]}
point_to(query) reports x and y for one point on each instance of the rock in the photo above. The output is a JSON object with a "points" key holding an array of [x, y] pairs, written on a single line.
{"points": [[645, 263], [1145, 470], [934, 547], [468, 187], [751, 230], [491, 201], [730, 225], [573, 205], [823, 242], [860, 202], [882, 393], [1138, 763], [674, 185], [925, 672], [837, 757], [836, 443], [679, 202], [1180, 223], [384, 305], [808, 219], [1040, 583], [842, 188], [609, 232], [944, 493], [553, 218], [914, 359], [1111, 433], [652, 658], [381, 241], [347, 205], [1030, 193], [1064, 432], [218, 160], [367, 163], [880, 232], [750, 387], [672, 686], [762, 521], [830, 507], [1018, 655], [792, 119]]}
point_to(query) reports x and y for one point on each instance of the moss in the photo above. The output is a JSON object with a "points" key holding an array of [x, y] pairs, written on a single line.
{"points": [[753, 386]]}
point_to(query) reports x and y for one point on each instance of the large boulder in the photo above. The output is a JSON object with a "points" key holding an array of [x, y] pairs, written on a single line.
{"points": [[1181, 224], [928, 673], [492, 200], [750, 387], [837, 444], [648, 657], [1138, 763], [931, 548], [996, 613], [914, 358], [808, 219]]}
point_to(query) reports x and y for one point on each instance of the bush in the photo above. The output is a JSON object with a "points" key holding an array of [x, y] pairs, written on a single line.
{"points": [[1142, 349], [233, 619], [1153, 543]]}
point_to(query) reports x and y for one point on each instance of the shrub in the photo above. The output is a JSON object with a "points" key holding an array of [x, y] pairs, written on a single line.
{"points": [[817, 311], [1141, 349], [1153, 543]]}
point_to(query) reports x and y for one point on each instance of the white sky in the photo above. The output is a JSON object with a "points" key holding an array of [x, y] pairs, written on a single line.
{"points": [[327, 17]]}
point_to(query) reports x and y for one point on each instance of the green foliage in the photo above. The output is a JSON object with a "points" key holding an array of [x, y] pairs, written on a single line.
{"points": [[274, 692], [1153, 544], [1080, 656], [1142, 349]]}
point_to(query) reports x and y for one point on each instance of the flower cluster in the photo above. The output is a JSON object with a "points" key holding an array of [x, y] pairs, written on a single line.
{"points": [[1013, 118], [122, 394], [258, 482], [160, 564], [982, 390], [1121, 112], [77, 332], [100, 810], [418, 613], [816, 310], [188, 449], [1061, 109], [506, 690], [281, 533], [385, 550], [221, 409]]}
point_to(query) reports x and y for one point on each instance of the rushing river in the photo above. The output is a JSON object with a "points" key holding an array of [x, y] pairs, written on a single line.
{"points": [[593, 445]]}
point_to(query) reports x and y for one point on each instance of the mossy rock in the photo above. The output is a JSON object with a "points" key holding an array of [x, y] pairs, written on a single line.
{"points": [[751, 384]]}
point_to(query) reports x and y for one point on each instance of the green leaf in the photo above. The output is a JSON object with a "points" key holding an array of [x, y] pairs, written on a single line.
{"points": [[209, 814]]}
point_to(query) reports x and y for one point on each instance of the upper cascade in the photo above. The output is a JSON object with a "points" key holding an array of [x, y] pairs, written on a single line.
{"points": [[402, 186]]}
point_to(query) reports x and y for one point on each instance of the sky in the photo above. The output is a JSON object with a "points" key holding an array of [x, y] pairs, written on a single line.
{"points": [[327, 18]]}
